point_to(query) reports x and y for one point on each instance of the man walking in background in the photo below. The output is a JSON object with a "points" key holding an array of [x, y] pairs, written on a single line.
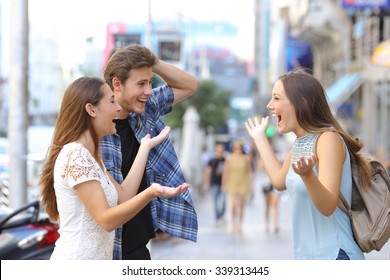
{"points": [[213, 182]]}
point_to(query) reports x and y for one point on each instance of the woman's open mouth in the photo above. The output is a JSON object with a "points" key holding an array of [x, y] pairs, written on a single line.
{"points": [[278, 118]]}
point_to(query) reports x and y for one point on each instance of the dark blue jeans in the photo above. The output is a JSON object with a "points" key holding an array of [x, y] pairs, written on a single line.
{"points": [[219, 201], [342, 255]]}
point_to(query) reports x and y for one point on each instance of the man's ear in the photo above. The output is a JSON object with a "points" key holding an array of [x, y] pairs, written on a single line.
{"points": [[90, 110], [116, 83]]}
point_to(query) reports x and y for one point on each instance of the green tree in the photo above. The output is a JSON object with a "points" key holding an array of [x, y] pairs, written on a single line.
{"points": [[211, 102]]}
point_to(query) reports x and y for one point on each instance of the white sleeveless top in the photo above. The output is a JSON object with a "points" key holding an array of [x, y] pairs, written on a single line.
{"points": [[80, 236]]}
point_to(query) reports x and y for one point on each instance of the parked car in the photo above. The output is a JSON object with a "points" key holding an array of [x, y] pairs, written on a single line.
{"points": [[27, 233]]}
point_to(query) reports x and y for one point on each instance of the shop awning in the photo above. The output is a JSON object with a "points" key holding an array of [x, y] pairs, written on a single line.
{"points": [[343, 88], [381, 54]]}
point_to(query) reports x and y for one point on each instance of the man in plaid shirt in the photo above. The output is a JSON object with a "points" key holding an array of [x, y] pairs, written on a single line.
{"points": [[129, 73]]}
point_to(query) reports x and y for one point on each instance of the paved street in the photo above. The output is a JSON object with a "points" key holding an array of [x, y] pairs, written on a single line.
{"points": [[254, 243]]}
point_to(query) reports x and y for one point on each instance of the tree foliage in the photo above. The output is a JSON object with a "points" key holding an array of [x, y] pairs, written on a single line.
{"points": [[211, 102]]}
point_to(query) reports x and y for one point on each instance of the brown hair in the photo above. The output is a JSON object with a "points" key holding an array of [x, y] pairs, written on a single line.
{"points": [[314, 115], [125, 59], [72, 121]]}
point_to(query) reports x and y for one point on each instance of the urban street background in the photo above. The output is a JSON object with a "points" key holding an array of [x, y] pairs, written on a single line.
{"points": [[242, 46], [254, 243]]}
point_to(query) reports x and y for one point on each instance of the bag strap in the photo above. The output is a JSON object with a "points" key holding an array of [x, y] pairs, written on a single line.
{"points": [[343, 205], [342, 202]]}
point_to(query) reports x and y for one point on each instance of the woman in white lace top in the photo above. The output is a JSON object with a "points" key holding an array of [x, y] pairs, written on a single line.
{"points": [[76, 189]]}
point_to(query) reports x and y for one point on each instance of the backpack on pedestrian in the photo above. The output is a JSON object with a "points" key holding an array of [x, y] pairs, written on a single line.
{"points": [[369, 211]]}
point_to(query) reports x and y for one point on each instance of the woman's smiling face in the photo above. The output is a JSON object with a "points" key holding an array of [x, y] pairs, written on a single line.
{"points": [[281, 107]]}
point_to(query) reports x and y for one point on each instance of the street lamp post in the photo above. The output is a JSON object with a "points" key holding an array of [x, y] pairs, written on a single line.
{"points": [[149, 28], [18, 109]]}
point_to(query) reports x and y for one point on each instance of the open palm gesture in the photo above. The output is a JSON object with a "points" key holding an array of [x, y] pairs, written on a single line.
{"points": [[168, 192], [256, 128], [153, 142], [302, 165]]}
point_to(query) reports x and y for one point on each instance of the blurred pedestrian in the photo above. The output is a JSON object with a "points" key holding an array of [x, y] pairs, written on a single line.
{"points": [[320, 229], [206, 156], [213, 182], [254, 159], [76, 189], [130, 72], [271, 205], [271, 196], [236, 182]]}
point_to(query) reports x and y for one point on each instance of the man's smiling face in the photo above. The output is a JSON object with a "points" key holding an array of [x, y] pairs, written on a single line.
{"points": [[136, 91]]}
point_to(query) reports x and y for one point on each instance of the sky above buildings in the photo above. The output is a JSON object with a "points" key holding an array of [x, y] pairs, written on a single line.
{"points": [[75, 20]]}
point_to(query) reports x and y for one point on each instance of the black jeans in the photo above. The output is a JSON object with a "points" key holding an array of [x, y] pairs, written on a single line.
{"points": [[139, 253]]}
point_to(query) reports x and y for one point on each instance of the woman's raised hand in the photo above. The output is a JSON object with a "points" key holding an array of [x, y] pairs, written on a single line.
{"points": [[153, 142], [256, 128]]}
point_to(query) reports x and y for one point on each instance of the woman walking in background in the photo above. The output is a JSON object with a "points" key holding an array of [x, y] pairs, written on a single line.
{"points": [[236, 182], [271, 197]]}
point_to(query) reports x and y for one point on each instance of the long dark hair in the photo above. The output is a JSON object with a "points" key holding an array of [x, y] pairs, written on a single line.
{"points": [[73, 120], [314, 115]]}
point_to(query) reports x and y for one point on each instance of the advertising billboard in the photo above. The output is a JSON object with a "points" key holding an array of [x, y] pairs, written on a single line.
{"points": [[169, 50], [366, 4]]}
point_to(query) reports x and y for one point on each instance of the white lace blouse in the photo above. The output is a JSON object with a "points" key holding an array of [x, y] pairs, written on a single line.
{"points": [[80, 236]]}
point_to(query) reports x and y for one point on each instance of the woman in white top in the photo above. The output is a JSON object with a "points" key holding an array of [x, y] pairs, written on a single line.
{"points": [[76, 189]]}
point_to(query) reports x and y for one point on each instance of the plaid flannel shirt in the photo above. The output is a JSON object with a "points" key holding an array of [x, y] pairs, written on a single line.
{"points": [[177, 215]]}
